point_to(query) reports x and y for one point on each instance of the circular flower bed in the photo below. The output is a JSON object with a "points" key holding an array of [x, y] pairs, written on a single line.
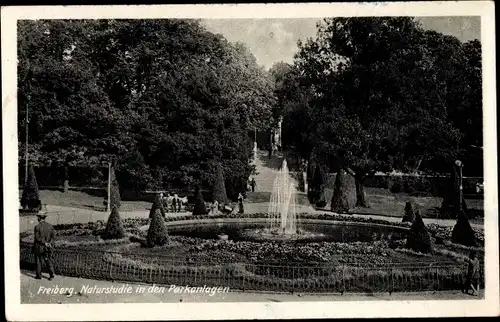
{"points": [[373, 265]]}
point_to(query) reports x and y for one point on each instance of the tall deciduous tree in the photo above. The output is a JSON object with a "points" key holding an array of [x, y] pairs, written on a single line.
{"points": [[160, 96], [376, 99]]}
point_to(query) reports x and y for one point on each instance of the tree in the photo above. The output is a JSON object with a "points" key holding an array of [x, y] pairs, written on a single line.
{"points": [[30, 198], [316, 187], [376, 97], [219, 188], [409, 215], [114, 190], [344, 196], [419, 238], [199, 204], [114, 226], [157, 205], [462, 231], [162, 97], [157, 232]]}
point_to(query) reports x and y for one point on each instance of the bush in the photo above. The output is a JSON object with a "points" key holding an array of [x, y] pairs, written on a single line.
{"points": [[409, 186], [344, 196], [462, 232], [409, 215], [114, 226], [396, 187], [30, 198], [419, 238], [219, 188], [157, 233], [114, 197], [199, 208], [157, 205]]}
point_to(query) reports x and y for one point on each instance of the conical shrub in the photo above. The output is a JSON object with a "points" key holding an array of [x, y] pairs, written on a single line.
{"points": [[409, 215], [344, 194], [316, 186], [30, 198], [157, 205], [157, 233], [114, 191], [462, 232], [199, 208], [419, 238], [219, 188], [114, 227]]}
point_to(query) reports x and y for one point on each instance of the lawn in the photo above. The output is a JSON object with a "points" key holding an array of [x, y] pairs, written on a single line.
{"points": [[385, 203], [382, 202], [83, 200]]}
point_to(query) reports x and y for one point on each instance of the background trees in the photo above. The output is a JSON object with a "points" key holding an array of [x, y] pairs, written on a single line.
{"points": [[164, 98], [381, 94]]}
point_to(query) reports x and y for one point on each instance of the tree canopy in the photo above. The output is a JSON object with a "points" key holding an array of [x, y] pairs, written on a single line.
{"points": [[164, 98], [380, 94]]}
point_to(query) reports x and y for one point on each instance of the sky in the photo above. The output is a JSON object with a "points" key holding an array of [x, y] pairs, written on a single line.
{"points": [[274, 40]]}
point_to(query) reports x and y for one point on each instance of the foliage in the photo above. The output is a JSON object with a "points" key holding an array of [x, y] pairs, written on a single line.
{"points": [[462, 231], [316, 186], [343, 194], [30, 198], [114, 226], [199, 204], [157, 205], [219, 188], [157, 232], [162, 97], [114, 191], [409, 215], [419, 238], [379, 96]]}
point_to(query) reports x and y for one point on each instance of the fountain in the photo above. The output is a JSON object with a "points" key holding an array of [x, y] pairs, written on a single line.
{"points": [[282, 204]]}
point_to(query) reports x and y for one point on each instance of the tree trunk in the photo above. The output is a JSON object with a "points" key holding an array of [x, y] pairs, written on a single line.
{"points": [[360, 193]]}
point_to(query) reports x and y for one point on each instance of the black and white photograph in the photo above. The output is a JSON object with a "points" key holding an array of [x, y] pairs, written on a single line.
{"points": [[256, 157]]}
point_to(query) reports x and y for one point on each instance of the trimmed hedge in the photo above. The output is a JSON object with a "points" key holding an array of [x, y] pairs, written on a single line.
{"points": [[114, 227]]}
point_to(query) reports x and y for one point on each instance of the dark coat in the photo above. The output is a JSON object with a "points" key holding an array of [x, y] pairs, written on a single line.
{"points": [[44, 236]]}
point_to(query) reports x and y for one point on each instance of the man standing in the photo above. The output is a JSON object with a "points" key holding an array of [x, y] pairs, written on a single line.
{"points": [[42, 246], [472, 278], [253, 184]]}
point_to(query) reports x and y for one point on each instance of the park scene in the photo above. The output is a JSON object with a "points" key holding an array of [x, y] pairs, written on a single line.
{"points": [[164, 152]]}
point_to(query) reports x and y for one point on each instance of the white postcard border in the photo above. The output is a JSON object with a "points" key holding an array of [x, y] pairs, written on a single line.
{"points": [[186, 311]]}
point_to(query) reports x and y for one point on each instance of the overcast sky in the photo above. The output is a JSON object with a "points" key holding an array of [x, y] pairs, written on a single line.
{"points": [[273, 40]]}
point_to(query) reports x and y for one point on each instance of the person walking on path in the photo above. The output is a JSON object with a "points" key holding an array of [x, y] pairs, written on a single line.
{"points": [[42, 246], [240, 204], [472, 278], [253, 184]]}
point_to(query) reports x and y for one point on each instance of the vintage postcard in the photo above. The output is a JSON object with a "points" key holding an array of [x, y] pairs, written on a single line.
{"points": [[250, 161]]}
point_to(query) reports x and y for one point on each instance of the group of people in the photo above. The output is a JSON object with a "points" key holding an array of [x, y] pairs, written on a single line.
{"points": [[172, 203], [216, 209]]}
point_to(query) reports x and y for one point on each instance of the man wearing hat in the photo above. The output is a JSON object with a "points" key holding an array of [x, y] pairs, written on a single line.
{"points": [[42, 247]]}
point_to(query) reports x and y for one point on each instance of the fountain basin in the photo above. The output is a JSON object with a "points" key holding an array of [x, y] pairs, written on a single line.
{"points": [[310, 230]]}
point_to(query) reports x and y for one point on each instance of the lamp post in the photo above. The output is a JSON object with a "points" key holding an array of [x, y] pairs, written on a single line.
{"points": [[108, 206], [459, 165], [26, 147]]}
